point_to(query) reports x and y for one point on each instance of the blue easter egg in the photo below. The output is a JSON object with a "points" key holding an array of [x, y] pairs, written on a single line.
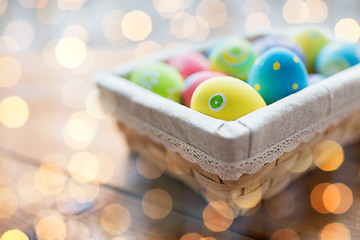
{"points": [[263, 44], [336, 57], [278, 73]]}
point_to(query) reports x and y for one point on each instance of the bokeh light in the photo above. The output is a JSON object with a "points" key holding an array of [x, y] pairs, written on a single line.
{"points": [[253, 6], [100, 104], [33, 3], [316, 197], [346, 197], [8, 44], [335, 198], [285, 234], [50, 14], [157, 203], [81, 127], [51, 227], [3, 6], [167, 9], [331, 198], [77, 231], [21, 31], [8, 203], [80, 130], [111, 25], [83, 192], [335, 231], [218, 216], [295, 11], [28, 192], [14, 234], [14, 112], [136, 25], [347, 29], [328, 155], [84, 167], [281, 205], [146, 47], [257, 22], [213, 11], [177, 27], [8, 169], [115, 219], [191, 236], [196, 28], [107, 166], [304, 161], [49, 54], [248, 200], [70, 4], [148, 164], [10, 71], [70, 52], [76, 30], [74, 93], [318, 11]]}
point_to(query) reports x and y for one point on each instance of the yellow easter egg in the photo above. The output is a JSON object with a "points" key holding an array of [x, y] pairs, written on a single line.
{"points": [[226, 98]]}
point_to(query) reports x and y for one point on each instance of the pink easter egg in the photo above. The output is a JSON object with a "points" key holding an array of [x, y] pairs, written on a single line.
{"points": [[190, 63], [193, 81]]}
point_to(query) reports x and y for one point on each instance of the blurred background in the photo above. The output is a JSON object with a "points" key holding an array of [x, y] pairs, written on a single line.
{"points": [[148, 25]]}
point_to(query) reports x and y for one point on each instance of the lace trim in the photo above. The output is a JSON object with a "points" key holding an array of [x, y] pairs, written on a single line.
{"points": [[233, 171]]}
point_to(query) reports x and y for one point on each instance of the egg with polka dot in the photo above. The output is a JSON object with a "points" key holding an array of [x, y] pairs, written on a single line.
{"points": [[226, 98], [159, 78], [278, 73], [336, 57]]}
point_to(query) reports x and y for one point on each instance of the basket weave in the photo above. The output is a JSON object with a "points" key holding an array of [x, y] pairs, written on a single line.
{"points": [[245, 192], [255, 156]]}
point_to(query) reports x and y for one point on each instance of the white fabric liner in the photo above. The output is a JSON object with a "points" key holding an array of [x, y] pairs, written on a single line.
{"points": [[231, 149]]}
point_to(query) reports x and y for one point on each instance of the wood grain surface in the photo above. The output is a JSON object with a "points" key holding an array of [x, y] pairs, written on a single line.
{"points": [[97, 189]]}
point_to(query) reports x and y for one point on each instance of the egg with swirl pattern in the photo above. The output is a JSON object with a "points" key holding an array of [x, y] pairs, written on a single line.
{"points": [[234, 58]]}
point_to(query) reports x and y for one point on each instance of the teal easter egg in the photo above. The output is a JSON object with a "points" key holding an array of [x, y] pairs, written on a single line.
{"points": [[160, 78], [234, 58], [336, 57], [278, 73]]}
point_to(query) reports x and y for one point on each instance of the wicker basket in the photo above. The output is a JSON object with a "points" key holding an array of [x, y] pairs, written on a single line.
{"points": [[265, 150]]}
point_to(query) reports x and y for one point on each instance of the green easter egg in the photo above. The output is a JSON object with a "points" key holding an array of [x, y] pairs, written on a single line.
{"points": [[160, 78], [234, 58], [311, 41]]}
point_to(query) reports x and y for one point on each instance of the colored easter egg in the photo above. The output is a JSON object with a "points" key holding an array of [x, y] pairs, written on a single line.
{"points": [[315, 78], [278, 73], [189, 63], [193, 81], [263, 44], [226, 98], [336, 57], [234, 58], [160, 78], [311, 41], [217, 45]]}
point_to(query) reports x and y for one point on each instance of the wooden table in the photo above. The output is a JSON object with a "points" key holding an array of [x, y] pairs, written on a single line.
{"points": [[44, 195]]}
